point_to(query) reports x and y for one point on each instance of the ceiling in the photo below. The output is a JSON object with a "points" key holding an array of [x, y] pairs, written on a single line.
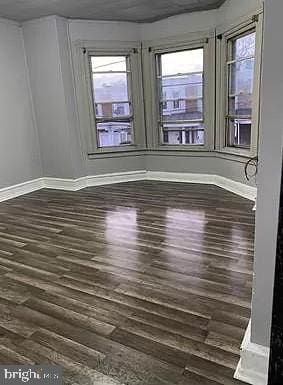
{"points": [[124, 10]]}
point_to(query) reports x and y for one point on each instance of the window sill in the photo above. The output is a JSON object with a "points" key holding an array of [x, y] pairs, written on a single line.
{"points": [[225, 153], [113, 152], [182, 148], [238, 152]]}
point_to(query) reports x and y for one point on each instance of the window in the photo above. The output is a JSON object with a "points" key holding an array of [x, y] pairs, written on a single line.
{"points": [[111, 85], [176, 100], [238, 84], [240, 79], [164, 100], [109, 89], [181, 89]]}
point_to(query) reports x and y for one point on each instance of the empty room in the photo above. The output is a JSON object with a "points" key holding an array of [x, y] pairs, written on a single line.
{"points": [[141, 214]]}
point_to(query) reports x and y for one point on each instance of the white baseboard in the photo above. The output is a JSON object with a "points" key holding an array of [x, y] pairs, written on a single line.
{"points": [[99, 180], [241, 189], [253, 365], [180, 177], [65, 184], [238, 188], [11, 192]]}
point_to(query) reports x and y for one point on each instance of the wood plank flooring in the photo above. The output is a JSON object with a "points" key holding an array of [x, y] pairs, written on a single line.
{"points": [[140, 283]]}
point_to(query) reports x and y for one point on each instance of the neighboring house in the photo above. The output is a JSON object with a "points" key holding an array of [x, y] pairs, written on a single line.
{"points": [[182, 104], [112, 102]]}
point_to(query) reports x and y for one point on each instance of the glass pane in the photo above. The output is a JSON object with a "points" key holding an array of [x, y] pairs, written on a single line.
{"points": [[182, 109], [108, 63], [110, 88], [115, 110], [244, 46], [240, 87], [240, 105], [181, 85], [241, 75], [188, 133], [182, 62], [239, 132], [112, 134]]}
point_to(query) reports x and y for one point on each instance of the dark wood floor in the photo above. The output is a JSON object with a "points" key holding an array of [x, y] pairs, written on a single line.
{"points": [[141, 283]]}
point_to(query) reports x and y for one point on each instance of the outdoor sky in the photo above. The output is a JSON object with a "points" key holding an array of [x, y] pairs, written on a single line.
{"points": [[182, 62], [172, 63]]}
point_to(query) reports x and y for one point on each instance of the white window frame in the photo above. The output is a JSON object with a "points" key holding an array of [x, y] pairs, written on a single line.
{"points": [[151, 49], [82, 52], [224, 37]]}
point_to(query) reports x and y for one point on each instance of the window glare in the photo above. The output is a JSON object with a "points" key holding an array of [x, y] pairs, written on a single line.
{"points": [[182, 62], [244, 46], [108, 63], [110, 87]]}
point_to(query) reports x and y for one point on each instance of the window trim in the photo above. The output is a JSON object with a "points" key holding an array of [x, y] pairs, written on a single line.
{"points": [[82, 52], [226, 34], [203, 40]]}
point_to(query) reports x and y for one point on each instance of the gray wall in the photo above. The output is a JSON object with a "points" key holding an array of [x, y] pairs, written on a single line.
{"points": [[53, 96], [116, 164], [77, 155], [269, 173], [206, 163], [19, 148]]}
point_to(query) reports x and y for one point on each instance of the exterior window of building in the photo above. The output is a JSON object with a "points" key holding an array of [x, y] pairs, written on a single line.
{"points": [[164, 101], [181, 86], [111, 85], [176, 100], [241, 51], [176, 104]]}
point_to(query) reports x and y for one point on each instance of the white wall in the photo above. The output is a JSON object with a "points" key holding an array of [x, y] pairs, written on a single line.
{"points": [[103, 30], [269, 172], [181, 24], [19, 148], [235, 9]]}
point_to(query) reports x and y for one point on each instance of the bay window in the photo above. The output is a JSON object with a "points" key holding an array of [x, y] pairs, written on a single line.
{"points": [[199, 92]]}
